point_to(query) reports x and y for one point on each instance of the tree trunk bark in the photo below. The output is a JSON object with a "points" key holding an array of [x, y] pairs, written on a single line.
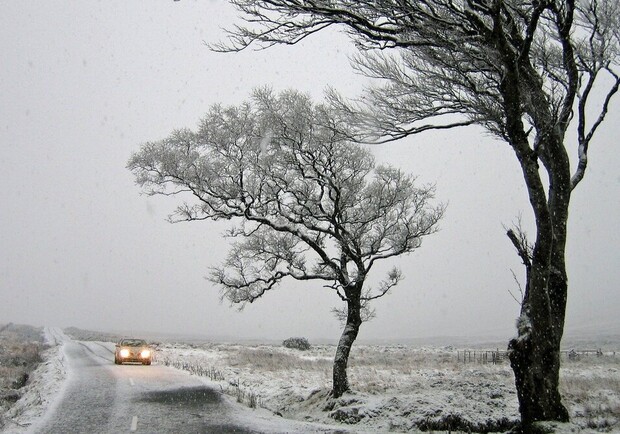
{"points": [[535, 353], [349, 334], [535, 360]]}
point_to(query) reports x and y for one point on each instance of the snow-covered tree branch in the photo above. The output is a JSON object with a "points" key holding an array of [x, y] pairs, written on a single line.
{"points": [[311, 204]]}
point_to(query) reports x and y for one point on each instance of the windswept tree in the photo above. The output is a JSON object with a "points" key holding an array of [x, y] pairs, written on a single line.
{"points": [[538, 75], [310, 204]]}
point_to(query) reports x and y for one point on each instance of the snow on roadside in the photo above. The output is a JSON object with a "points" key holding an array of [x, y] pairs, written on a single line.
{"points": [[43, 388]]}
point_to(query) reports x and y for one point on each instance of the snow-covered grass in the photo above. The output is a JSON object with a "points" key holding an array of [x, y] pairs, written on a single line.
{"points": [[39, 394], [591, 387], [25, 362], [397, 388]]}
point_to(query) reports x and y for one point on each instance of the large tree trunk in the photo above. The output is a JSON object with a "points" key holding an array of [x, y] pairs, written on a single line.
{"points": [[535, 353], [349, 334], [535, 360]]}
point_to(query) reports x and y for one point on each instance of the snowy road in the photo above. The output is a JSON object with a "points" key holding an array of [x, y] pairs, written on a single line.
{"points": [[101, 397]]}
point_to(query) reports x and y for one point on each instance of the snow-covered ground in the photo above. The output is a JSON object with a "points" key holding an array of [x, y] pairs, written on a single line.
{"points": [[396, 388], [43, 388]]}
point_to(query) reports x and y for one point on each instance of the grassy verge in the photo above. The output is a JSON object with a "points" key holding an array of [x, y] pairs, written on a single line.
{"points": [[20, 353]]}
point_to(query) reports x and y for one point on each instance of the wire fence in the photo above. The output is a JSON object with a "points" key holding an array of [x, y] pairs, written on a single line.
{"points": [[500, 356], [482, 356]]}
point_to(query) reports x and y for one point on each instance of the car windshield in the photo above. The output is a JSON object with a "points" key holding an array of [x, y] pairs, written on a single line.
{"points": [[132, 342]]}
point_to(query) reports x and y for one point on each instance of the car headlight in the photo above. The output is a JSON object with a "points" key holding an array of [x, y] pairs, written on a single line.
{"points": [[145, 354], [124, 352]]}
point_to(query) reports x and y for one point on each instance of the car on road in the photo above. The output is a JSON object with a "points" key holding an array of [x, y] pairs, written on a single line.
{"points": [[133, 350]]}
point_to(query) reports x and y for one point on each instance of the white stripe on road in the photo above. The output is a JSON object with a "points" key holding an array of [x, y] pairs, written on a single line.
{"points": [[131, 382], [134, 423]]}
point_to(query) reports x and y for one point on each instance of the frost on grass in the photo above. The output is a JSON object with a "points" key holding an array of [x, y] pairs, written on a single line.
{"points": [[395, 388], [41, 391], [31, 373], [400, 388]]}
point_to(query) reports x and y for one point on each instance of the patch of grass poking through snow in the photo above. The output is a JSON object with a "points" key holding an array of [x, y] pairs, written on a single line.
{"points": [[450, 422], [193, 368], [274, 360], [353, 408], [246, 397], [229, 386], [591, 386], [20, 354]]}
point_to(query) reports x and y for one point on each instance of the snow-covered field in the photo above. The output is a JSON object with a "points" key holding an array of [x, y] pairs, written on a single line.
{"points": [[396, 388]]}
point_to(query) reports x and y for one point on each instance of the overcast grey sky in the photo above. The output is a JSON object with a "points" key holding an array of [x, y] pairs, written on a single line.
{"points": [[83, 84]]}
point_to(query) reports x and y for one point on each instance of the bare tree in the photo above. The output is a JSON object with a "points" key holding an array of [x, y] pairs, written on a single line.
{"points": [[311, 205], [526, 71]]}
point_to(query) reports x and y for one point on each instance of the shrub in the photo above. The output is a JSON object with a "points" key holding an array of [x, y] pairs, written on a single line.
{"points": [[20, 353], [297, 344]]}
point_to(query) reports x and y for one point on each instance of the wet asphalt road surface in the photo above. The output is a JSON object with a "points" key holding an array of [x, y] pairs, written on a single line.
{"points": [[100, 397]]}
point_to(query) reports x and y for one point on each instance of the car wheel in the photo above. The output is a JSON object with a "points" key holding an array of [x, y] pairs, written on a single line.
{"points": [[146, 363]]}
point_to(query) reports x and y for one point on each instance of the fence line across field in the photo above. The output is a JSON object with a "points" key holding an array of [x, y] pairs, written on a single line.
{"points": [[499, 356], [481, 356]]}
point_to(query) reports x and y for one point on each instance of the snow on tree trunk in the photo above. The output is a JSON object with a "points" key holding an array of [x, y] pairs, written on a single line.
{"points": [[535, 353], [535, 360]]}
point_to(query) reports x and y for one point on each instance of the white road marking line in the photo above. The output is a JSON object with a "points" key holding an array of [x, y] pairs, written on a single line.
{"points": [[134, 423], [132, 382]]}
